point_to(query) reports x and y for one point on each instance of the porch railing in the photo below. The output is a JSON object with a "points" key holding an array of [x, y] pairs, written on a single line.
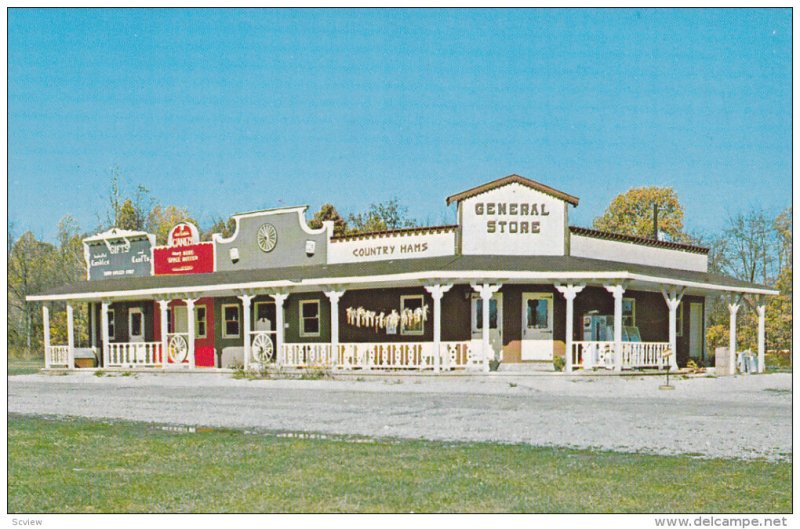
{"points": [[377, 355], [635, 355], [58, 355], [644, 354], [134, 354]]}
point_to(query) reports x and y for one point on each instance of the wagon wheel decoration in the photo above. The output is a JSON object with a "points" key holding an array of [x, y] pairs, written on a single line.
{"points": [[178, 349], [262, 348], [267, 237]]}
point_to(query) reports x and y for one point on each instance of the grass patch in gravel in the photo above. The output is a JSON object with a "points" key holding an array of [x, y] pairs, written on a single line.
{"points": [[17, 366], [79, 465]]}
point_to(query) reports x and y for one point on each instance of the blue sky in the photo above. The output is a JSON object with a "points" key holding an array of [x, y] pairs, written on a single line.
{"points": [[235, 110]]}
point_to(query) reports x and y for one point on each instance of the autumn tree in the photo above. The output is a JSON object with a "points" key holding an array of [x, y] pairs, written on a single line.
{"points": [[31, 269], [389, 215], [127, 211], [631, 213], [328, 212], [161, 220], [221, 226]]}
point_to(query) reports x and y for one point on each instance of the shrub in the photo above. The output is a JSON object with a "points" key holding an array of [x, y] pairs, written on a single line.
{"points": [[559, 363]]}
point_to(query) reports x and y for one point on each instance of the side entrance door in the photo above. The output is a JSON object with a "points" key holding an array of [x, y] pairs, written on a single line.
{"points": [[537, 326], [136, 325], [495, 322]]}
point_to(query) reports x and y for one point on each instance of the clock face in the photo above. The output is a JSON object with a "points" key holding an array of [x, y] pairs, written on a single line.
{"points": [[267, 237]]}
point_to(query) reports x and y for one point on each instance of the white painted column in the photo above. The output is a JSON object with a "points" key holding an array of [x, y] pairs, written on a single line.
{"points": [[486, 291], [762, 312], [673, 298], [334, 296], [279, 298], [569, 292], [163, 306], [617, 291], [104, 330], [46, 330], [93, 326], [190, 316], [437, 293], [733, 308], [70, 337], [246, 299]]}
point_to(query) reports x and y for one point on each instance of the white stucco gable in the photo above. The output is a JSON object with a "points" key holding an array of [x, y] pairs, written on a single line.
{"points": [[513, 218]]}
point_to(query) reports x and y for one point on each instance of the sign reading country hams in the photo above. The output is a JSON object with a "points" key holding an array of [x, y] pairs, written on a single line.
{"points": [[184, 253]]}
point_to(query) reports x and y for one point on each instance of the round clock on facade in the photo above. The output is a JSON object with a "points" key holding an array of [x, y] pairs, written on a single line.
{"points": [[267, 237]]}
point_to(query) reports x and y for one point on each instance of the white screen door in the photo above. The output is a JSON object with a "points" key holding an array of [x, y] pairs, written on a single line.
{"points": [[181, 324], [537, 326], [495, 322], [696, 330]]}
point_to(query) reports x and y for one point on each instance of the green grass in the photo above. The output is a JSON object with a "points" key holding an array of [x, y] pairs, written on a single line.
{"points": [[88, 466], [778, 362], [18, 366]]}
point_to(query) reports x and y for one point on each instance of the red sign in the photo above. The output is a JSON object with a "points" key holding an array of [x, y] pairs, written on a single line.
{"points": [[183, 255], [184, 234]]}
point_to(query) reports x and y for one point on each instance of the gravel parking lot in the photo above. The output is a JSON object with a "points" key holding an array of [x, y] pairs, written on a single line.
{"points": [[743, 416]]}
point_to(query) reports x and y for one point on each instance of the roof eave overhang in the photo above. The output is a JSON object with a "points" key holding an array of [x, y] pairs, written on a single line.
{"points": [[412, 277]]}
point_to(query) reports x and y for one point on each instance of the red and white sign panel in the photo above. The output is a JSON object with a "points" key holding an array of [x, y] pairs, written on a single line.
{"points": [[183, 234], [184, 254]]}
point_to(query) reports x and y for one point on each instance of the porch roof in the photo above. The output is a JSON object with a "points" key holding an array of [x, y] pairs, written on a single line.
{"points": [[459, 268]]}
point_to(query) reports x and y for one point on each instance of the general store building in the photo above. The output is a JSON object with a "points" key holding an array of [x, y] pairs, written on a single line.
{"points": [[511, 284]]}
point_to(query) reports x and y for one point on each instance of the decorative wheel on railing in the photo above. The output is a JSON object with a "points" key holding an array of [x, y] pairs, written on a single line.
{"points": [[178, 349], [262, 348]]}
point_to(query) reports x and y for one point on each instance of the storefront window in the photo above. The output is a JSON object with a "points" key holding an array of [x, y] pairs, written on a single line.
{"points": [[411, 321], [230, 313], [309, 318], [200, 320]]}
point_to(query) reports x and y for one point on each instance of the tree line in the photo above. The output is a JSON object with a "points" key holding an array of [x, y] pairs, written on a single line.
{"points": [[753, 246]]}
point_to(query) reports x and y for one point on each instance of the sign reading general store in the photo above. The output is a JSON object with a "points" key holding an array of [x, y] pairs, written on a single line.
{"points": [[184, 253]]}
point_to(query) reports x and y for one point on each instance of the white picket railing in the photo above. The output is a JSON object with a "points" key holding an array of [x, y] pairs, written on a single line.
{"points": [[58, 355], [644, 354], [134, 354], [635, 355], [309, 355], [377, 355]]}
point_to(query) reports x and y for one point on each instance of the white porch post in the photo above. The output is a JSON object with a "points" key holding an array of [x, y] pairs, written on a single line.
{"points": [[437, 293], [762, 312], [246, 299], [104, 330], [673, 298], [70, 337], [46, 330], [569, 292], [733, 307], [334, 296], [93, 326], [617, 291], [163, 306], [279, 298], [190, 317], [486, 291]]}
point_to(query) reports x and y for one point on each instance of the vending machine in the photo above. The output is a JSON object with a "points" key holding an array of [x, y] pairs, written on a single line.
{"points": [[598, 327]]}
